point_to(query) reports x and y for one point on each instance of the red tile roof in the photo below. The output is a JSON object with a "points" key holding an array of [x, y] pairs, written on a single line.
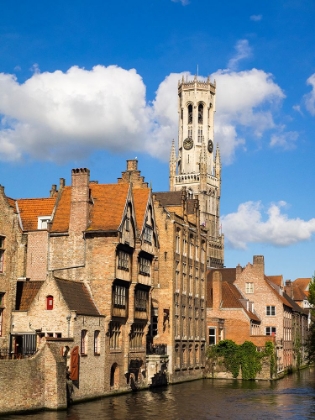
{"points": [[31, 208], [141, 197], [109, 201], [62, 213]]}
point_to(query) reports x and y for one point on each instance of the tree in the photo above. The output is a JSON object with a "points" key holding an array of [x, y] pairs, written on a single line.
{"points": [[311, 337]]}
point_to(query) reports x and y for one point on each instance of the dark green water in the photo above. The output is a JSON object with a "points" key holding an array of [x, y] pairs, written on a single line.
{"points": [[290, 398]]}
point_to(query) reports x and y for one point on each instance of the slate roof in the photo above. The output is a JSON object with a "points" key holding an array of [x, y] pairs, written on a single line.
{"points": [[169, 198], [26, 292], [31, 208], [77, 297]]}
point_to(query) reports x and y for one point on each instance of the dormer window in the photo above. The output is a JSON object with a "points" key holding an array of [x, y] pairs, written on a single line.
{"points": [[49, 303], [43, 222]]}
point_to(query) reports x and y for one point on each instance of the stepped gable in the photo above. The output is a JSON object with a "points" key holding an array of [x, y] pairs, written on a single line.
{"points": [[26, 292], [62, 214], [109, 201], [77, 297], [32, 208]]}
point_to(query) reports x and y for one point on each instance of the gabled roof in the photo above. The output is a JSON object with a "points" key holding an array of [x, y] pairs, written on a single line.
{"points": [[302, 283], [231, 298], [228, 274], [77, 297], [141, 198], [109, 202], [62, 214], [295, 306], [276, 291], [32, 208], [277, 280], [26, 291]]}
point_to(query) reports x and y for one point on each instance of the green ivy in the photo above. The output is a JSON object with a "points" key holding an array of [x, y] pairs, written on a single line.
{"points": [[244, 357]]}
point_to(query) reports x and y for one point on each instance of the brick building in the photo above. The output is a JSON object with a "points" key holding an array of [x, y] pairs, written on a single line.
{"points": [[179, 297], [245, 304]]}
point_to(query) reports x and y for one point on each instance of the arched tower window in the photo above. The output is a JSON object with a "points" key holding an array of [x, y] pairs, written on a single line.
{"points": [[190, 114], [200, 114]]}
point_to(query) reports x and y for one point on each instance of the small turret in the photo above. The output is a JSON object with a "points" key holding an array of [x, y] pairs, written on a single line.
{"points": [[172, 167]]}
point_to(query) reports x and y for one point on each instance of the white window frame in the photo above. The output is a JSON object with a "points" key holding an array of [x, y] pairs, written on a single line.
{"points": [[42, 222], [270, 310], [249, 287]]}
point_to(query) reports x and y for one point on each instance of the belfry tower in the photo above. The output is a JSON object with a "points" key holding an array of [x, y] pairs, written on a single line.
{"points": [[197, 166]]}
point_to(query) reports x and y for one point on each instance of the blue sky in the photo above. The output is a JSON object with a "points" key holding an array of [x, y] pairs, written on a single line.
{"points": [[93, 83]]}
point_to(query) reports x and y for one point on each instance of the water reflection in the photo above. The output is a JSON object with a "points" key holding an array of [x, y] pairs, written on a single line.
{"points": [[291, 398]]}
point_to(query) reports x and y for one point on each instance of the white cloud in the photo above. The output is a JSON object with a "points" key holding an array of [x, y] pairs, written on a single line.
{"points": [[247, 226], [243, 50], [245, 100], [286, 140], [310, 97], [62, 116], [256, 18]]}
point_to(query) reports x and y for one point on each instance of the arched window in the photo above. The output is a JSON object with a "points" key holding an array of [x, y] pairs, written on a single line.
{"points": [[49, 303], [190, 114], [200, 114]]}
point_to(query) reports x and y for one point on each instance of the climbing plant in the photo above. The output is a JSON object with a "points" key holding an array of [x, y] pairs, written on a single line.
{"points": [[244, 357]]}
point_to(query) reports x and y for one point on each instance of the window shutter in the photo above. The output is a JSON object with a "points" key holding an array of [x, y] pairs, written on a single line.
{"points": [[74, 364]]}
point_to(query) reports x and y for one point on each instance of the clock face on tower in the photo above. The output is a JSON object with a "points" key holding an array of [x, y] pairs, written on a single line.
{"points": [[188, 143], [210, 146]]}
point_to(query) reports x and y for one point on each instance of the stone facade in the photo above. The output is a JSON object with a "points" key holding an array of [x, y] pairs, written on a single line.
{"points": [[196, 166]]}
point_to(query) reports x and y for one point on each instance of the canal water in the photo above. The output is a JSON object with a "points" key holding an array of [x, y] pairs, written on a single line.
{"points": [[290, 398]]}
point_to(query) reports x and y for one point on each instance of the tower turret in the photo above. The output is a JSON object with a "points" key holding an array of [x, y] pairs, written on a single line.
{"points": [[198, 170]]}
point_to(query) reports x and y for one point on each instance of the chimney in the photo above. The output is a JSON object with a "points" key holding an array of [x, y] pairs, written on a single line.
{"points": [[216, 290], [132, 165], [259, 263], [53, 190], [62, 183], [80, 195]]}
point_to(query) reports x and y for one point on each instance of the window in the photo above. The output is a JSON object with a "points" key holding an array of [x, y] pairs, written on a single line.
{"points": [[212, 336], [1, 320], [2, 254], [127, 224], [200, 134], [97, 342], [123, 260], [114, 334], [200, 114], [270, 310], [119, 296], [84, 342], [189, 132], [144, 266], [136, 336], [177, 244], [49, 303], [190, 114], [184, 247], [148, 234], [42, 222], [141, 299], [249, 287], [271, 330]]}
